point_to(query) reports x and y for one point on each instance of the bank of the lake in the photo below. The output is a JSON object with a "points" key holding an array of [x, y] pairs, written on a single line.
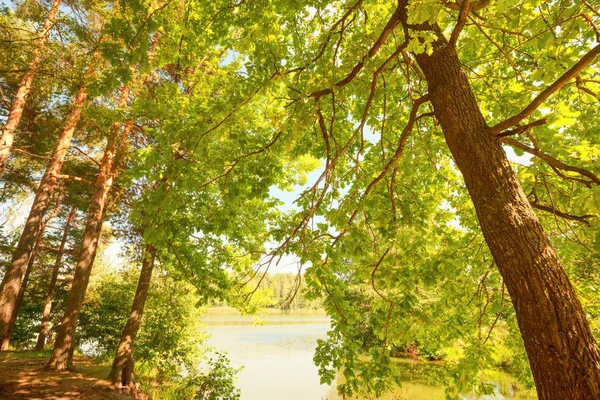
{"points": [[276, 352]]}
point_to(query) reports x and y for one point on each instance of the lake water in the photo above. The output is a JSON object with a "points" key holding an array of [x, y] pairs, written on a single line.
{"points": [[277, 359]]}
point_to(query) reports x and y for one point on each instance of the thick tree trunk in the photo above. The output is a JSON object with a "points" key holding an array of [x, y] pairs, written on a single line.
{"points": [[64, 345], [41, 339], [122, 368], [564, 356], [12, 278], [6, 339], [14, 116]]}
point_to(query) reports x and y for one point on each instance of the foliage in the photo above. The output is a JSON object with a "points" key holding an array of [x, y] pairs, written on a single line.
{"points": [[217, 382], [232, 99], [170, 339]]}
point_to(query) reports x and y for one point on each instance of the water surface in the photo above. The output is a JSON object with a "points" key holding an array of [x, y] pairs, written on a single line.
{"points": [[277, 356], [277, 359]]}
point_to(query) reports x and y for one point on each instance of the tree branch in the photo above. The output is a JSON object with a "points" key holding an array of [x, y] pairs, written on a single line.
{"points": [[477, 5], [579, 84], [579, 218], [553, 162], [390, 26], [559, 83], [75, 178], [523, 128], [399, 151], [462, 19]]}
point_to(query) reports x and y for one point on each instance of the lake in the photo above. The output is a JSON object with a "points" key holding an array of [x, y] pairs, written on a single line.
{"points": [[277, 359]]}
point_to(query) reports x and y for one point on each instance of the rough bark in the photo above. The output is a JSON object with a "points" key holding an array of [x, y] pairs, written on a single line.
{"points": [[564, 356], [16, 110], [12, 278], [6, 339], [64, 344], [41, 339], [122, 367]]}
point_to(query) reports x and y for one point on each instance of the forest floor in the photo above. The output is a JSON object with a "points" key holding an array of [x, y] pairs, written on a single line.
{"points": [[22, 376]]}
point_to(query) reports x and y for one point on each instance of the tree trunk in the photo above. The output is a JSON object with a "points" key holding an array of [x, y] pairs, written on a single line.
{"points": [[12, 278], [41, 340], [564, 356], [122, 368], [14, 116], [60, 359], [21, 295]]}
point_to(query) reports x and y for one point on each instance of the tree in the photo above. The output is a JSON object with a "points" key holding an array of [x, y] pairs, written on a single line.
{"points": [[41, 339], [32, 257], [18, 104], [549, 313], [12, 278], [336, 84], [122, 368], [64, 344]]}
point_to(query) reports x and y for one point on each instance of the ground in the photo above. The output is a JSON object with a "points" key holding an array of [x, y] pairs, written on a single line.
{"points": [[22, 376]]}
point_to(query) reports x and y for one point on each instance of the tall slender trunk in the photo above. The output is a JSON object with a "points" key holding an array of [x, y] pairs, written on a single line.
{"points": [[6, 339], [122, 367], [64, 345], [564, 356], [12, 278], [41, 339], [14, 116]]}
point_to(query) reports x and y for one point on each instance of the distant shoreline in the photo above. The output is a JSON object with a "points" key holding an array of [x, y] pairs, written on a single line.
{"points": [[226, 310]]}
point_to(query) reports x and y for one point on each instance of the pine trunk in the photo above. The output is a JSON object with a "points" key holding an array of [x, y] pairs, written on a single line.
{"points": [[12, 278], [16, 110], [564, 356], [60, 359], [41, 339], [122, 368], [6, 339]]}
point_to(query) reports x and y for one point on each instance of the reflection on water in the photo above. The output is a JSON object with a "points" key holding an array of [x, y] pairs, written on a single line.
{"points": [[277, 359]]}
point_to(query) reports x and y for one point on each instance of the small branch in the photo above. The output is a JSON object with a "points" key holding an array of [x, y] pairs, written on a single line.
{"points": [[472, 7], [30, 154], [579, 84], [518, 74], [523, 128], [242, 157], [331, 31], [592, 9], [75, 178], [579, 218], [385, 298], [390, 26], [399, 151], [85, 155], [553, 162], [462, 19], [559, 83]]}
